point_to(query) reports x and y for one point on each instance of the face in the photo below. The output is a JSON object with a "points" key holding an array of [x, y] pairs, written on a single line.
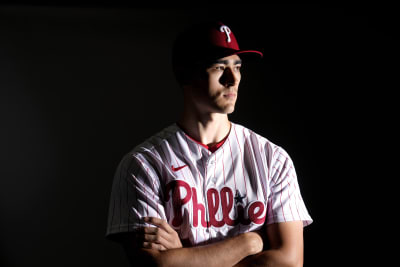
{"points": [[216, 90]]}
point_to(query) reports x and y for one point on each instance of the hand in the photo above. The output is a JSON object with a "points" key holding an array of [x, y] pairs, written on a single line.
{"points": [[161, 237]]}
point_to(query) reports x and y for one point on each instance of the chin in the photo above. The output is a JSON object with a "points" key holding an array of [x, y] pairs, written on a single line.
{"points": [[229, 109], [224, 108]]}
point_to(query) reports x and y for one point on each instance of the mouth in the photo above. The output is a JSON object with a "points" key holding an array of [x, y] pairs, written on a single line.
{"points": [[229, 94]]}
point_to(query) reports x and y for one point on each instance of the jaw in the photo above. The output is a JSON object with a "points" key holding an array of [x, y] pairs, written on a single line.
{"points": [[226, 108], [207, 111], [225, 104], [201, 101]]}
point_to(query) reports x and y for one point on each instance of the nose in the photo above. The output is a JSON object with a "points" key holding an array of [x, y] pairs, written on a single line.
{"points": [[229, 77]]}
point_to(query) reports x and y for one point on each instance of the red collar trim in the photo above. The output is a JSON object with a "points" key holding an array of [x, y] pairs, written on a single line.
{"points": [[212, 148]]}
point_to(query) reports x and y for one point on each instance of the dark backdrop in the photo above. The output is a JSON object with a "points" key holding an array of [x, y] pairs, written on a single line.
{"points": [[81, 85]]}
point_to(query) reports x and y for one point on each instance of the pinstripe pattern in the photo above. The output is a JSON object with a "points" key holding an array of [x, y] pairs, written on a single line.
{"points": [[244, 184]]}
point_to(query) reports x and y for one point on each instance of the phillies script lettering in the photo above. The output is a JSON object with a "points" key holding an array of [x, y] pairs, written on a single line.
{"points": [[224, 197]]}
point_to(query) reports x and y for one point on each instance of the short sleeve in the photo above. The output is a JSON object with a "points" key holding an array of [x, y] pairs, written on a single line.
{"points": [[285, 202], [136, 193]]}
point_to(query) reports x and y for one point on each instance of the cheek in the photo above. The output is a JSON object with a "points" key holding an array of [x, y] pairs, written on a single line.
{"points": [[214, 81], [209, 85], [213, 85]]}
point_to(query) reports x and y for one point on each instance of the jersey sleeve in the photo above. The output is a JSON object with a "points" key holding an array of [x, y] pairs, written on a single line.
{"points": [[285, 202], [136, 193]]}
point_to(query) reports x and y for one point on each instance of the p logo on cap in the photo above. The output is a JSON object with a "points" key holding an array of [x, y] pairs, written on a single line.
{"points": [[203, 43], [227, 31], [210, 40]]}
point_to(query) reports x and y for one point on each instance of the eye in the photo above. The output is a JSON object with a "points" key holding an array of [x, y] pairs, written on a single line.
{"points": [[238, 67], [219, 67]]}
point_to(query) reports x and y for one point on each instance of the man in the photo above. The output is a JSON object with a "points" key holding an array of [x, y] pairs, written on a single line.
{"points": [[206, 191]]}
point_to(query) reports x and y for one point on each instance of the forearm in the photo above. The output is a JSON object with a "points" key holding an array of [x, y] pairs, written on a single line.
{"points": [[270, 258], [224, 253]]}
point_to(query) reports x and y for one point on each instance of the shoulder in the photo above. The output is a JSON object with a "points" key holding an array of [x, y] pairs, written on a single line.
{"points": [[148, 152], [272, 151], [251, 136], [156, 140]]}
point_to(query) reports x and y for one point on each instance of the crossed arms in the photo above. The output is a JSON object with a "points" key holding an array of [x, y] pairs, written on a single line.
{"points": [[161, 246]]}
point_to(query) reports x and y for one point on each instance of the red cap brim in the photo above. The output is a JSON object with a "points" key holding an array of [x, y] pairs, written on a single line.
{"points": [[251, 52]]}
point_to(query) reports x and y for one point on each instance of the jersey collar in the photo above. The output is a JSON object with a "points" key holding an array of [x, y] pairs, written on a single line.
{"points": [[213, 148]]}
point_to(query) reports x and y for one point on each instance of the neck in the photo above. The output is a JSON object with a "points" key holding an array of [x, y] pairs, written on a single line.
{"points": [[207, 128]]}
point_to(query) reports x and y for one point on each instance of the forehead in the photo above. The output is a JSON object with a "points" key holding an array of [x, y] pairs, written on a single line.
{"points": [[234, 59]]}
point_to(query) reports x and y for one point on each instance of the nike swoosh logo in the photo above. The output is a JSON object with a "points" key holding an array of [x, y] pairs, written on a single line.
{"points": [[177, 168]]}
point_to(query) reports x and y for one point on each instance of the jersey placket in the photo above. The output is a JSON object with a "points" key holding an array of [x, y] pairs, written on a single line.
{"points": [[206, 158], [210, 182], [201, 167]]}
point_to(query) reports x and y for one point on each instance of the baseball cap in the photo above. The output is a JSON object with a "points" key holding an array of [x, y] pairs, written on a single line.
{"points": [[207, 41]]}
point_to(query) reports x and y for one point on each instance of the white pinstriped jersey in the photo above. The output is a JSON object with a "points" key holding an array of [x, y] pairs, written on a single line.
{"points": [[205, 196]]}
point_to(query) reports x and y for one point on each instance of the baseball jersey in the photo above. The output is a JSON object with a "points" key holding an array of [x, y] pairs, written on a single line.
{"points": [[246, 183]]}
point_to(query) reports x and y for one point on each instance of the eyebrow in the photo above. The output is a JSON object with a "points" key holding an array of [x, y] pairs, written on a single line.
{"points": [[220, 61]]}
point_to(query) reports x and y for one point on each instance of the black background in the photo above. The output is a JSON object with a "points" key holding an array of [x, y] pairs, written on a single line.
{"points": [[81, 85]]}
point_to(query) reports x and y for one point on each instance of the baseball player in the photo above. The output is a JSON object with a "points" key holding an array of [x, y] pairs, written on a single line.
{"points": [[206, 191]]}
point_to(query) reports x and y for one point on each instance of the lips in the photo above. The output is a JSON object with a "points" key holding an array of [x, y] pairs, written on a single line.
{"points": [[229, 92], [229, 95]]}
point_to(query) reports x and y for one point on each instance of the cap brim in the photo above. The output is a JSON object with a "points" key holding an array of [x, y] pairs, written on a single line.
{"points": [[252, 53]]}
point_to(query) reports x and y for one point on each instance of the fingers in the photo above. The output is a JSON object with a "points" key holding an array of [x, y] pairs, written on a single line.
{"points": [[155, 239], [163, 234], [152, 245], [159, 222], [153, 235]]}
